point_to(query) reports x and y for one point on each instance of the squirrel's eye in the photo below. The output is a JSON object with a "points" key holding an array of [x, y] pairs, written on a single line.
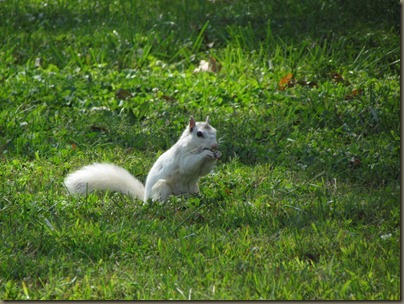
{"points": [[199, 134]]}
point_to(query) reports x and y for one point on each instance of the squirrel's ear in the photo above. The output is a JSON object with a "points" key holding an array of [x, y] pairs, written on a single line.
{"points": [[207, 119], [192, 124]]}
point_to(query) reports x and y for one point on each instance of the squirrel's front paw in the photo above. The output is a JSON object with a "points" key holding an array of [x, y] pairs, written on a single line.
{"points": [[212, 154], [207, 153], [217, 154]]}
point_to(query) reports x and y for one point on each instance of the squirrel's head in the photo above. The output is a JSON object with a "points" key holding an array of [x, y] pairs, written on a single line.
{"points": [[200, 135]]}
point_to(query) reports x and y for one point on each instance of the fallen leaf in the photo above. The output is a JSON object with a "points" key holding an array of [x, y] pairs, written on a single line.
{"points": [[212, 65], [259, 181], [228, 191], [337, 78], [99, 129], [168, 98], [38, 62], [203, 67], [286, 81], [312, 84], [353, 94], [102, 108], [302, 82], [355, 162], [198, 217], [289, 81], [305, 83], [123, 94]]}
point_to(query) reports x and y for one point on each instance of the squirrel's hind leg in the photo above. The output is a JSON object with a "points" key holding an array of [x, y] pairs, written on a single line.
{"points": [[161, 190]]}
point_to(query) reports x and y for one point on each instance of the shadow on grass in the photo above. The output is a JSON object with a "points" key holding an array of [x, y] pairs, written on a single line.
{"points": [[291, 21]]}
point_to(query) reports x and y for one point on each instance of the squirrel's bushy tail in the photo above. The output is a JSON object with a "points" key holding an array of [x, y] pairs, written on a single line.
{"points": [[104, 177]]}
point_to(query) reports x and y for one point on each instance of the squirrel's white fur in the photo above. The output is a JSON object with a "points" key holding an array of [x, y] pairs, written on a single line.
{"points": [[176, 171]]}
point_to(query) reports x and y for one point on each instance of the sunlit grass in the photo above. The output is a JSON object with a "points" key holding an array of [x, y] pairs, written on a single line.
{"points": [[304, 203]]}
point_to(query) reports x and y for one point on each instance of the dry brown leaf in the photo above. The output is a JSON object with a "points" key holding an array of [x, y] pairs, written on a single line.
{"points": [[353, 94], [286, 81], [168, 98], [123, 94], [212, 65], [355, 162], [337, 78], [312, 84], [98, 129]]}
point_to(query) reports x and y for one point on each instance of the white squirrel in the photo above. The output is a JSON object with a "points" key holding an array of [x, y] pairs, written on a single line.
{"points": [[176, 171]]}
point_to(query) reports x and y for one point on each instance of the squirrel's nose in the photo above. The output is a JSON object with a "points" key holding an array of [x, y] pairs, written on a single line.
{"points": [[213, 146]]}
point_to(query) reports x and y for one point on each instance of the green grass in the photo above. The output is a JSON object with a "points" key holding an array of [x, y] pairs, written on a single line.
{"points": [[305, 202]]}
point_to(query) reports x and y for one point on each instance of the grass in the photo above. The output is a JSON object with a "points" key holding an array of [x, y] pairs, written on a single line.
{"points": [[305, 202]]}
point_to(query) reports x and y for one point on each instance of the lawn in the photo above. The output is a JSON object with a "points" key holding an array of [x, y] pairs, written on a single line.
{"points": [[304, 203]]}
